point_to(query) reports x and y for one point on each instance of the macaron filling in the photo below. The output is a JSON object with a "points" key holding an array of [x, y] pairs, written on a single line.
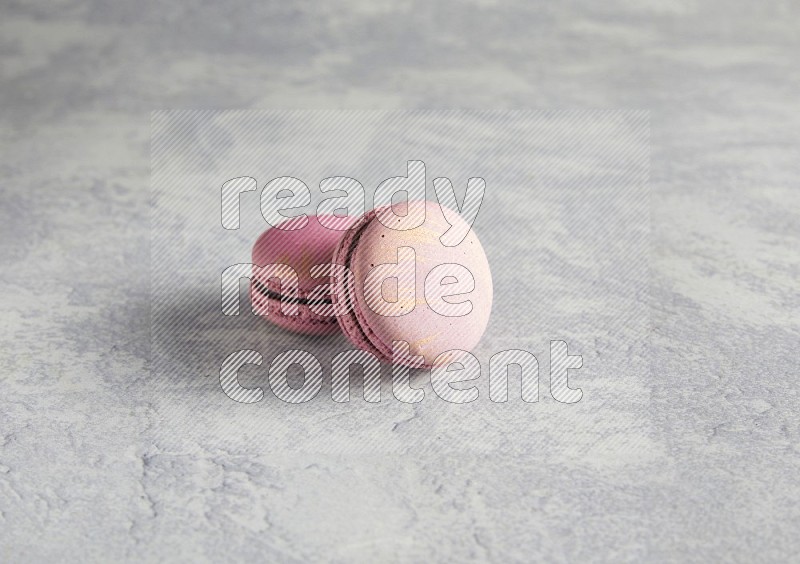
{"points": [[274, 295]]}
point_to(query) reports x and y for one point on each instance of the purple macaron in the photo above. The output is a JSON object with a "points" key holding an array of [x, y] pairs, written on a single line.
{"points": [[300, 244]]}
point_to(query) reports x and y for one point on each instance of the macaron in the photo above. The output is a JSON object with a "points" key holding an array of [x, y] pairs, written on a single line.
{"points": [[408, 286], [301, 244]]}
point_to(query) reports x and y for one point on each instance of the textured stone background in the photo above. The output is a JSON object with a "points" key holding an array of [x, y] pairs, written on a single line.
{"points": [[87, 471]]}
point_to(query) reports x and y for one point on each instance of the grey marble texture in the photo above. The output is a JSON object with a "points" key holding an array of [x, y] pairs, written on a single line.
{"points": [[697, 463]]}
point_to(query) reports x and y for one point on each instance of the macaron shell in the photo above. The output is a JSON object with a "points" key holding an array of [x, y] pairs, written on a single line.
{"points": [[411, 317]]}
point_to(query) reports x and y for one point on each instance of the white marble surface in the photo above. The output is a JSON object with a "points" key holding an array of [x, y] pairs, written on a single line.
{"points": [[92, 471]]}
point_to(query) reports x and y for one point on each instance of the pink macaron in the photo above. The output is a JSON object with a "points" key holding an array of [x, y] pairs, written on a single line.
{"points": [[301, 244], [408, 286]]}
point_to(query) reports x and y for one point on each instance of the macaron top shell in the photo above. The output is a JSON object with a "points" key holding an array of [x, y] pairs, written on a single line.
{"points": [[300, 243], [437, 298]]}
